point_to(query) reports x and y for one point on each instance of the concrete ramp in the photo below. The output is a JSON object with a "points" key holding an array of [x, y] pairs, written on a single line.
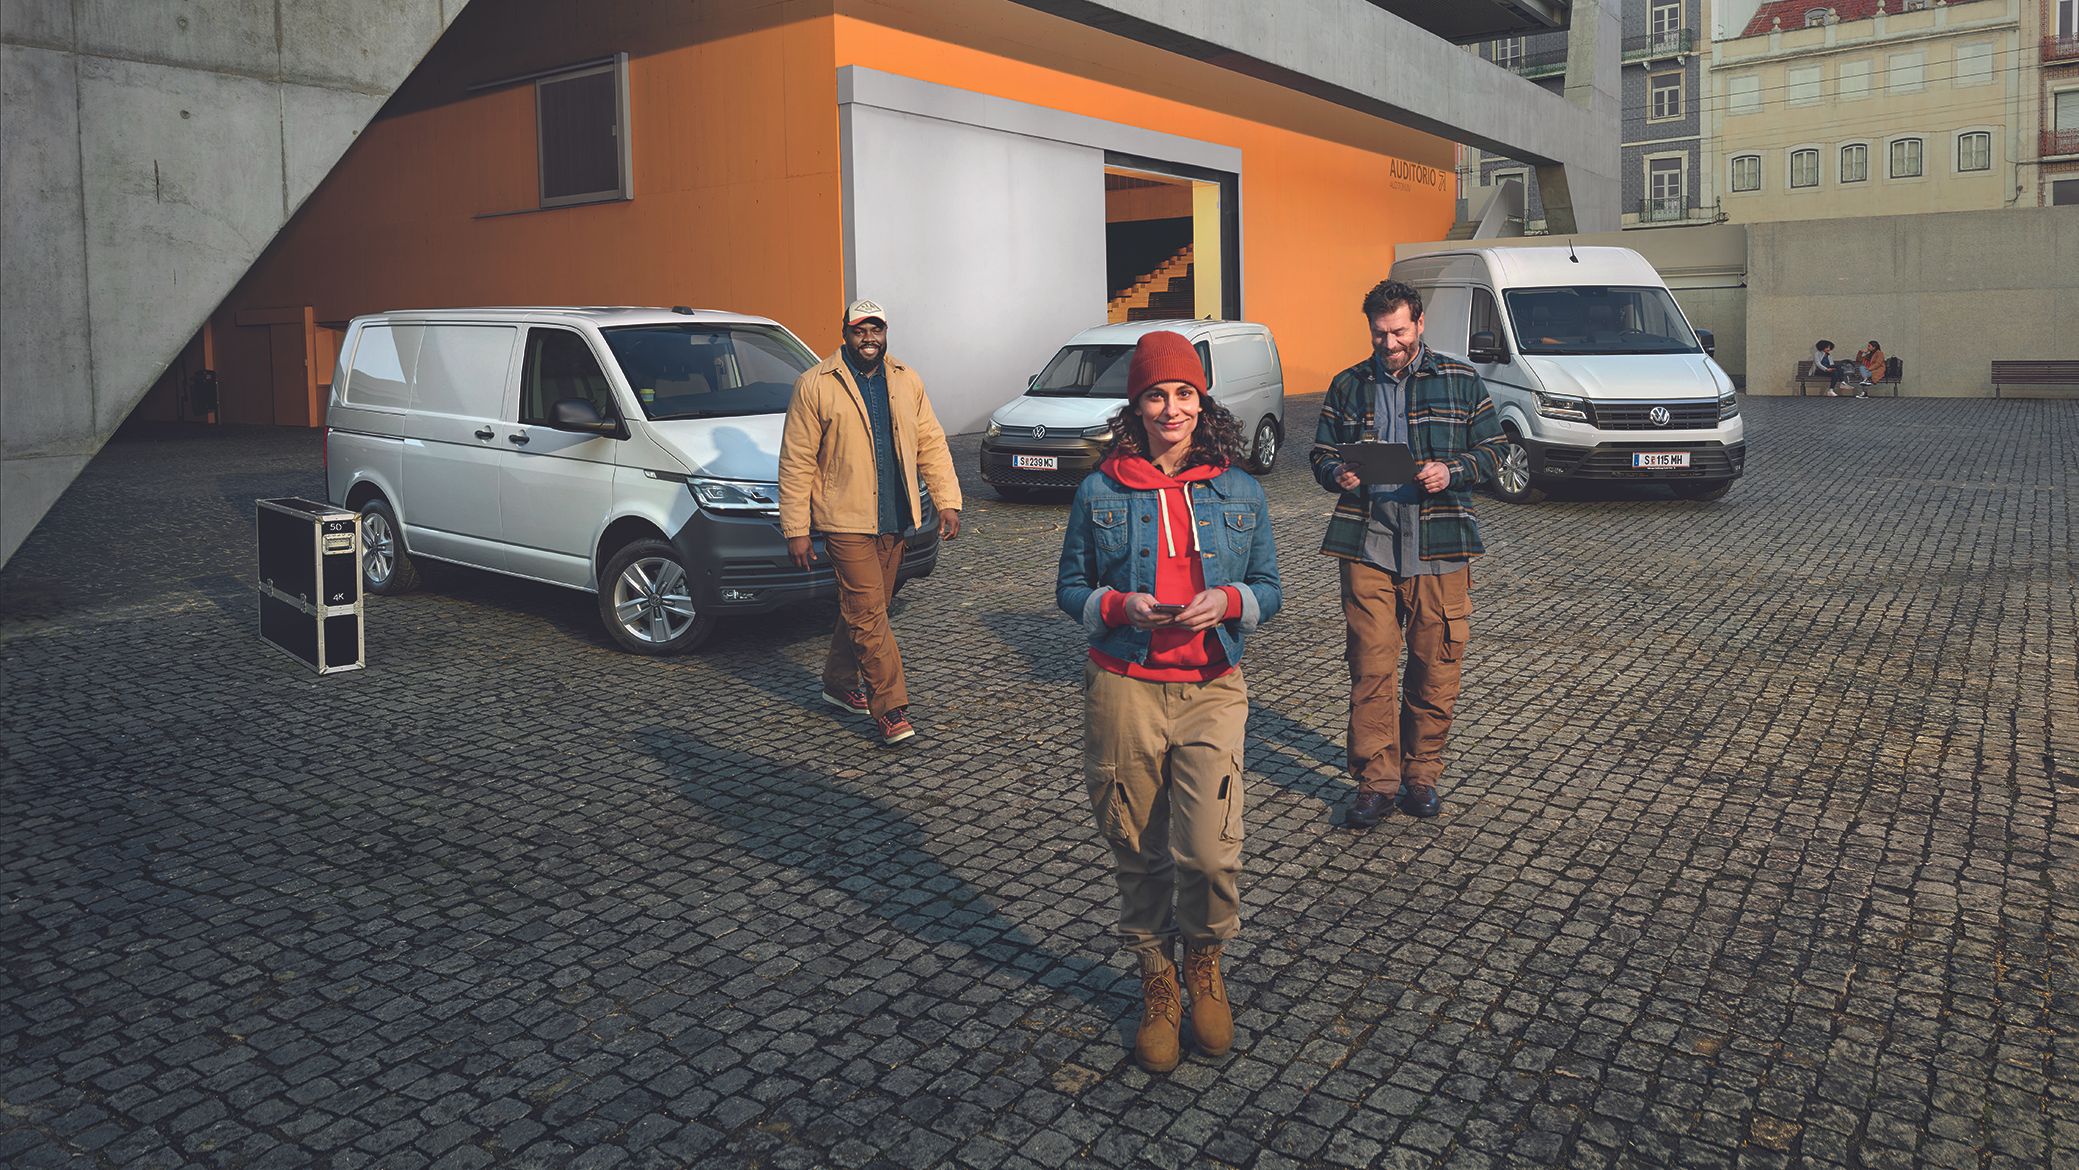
{"points": [[152, 150]]}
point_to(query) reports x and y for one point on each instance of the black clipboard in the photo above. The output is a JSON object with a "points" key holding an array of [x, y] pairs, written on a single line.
{"points": [[1379, 463]]}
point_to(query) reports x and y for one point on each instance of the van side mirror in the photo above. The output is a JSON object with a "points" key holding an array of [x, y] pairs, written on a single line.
{"points": [[1486, 349], [1709, 341], [1032, 381], [579, 415]]}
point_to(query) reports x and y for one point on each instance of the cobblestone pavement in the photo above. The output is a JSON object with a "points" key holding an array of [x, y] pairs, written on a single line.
{"points": [[1759, 849]]}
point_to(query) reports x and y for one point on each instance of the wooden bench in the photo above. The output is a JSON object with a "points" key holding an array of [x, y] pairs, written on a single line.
{"points": [[1894, 373], [2052, 373]]}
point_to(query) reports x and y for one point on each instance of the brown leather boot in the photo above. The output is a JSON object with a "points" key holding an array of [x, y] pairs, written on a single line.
{"points": [[1158, 1045], [1211, 1021]]}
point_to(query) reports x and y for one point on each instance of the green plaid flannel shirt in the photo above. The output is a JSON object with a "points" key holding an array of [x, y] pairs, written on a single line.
{"points": [[1450, 420]]}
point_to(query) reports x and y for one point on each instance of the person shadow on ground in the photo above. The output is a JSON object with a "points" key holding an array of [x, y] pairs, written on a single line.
{"points": [[868, 849]]}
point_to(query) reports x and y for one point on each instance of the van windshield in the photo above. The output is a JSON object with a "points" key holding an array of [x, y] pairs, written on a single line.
{"points": [[708, 371], [1599, 319], [1085, 371]]}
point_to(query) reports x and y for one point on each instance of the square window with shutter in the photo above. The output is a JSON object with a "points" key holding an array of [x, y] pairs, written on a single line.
{"points": [[582, 134]]}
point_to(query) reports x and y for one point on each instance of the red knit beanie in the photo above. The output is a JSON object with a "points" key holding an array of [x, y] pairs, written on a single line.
{"points": [[1164, 357]]}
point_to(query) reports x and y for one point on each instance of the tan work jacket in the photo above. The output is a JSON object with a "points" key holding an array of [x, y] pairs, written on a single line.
{"points": [[828, 479]]}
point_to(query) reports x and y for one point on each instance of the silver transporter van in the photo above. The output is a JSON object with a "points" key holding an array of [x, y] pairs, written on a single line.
{"points": [[632, 453], [1594, 370], [1051, 436]]}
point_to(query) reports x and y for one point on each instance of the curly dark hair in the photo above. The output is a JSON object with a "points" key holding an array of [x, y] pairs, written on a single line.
{"points": [[1388, 293], [1216, 440]]}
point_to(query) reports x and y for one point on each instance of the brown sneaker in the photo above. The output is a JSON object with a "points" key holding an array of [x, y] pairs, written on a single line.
{"points": [[1211, 1021], [851, 699], [1158, 1046]]}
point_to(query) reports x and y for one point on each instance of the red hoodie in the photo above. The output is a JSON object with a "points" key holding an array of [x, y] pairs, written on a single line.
{"points": [[1174, 655]]}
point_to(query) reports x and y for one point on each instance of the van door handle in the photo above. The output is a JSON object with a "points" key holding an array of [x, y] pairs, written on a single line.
{"points": [[518, 440], [484, 434]]}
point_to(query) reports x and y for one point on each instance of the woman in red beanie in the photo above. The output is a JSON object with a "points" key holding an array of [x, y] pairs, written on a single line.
{"points": [[1168, 563]]}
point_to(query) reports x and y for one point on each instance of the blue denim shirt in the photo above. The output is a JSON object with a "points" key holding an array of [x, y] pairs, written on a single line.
{"points": [[894, 501], [1114, 538]]}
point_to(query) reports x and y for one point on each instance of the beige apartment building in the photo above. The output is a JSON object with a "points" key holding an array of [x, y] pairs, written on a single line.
{"points": [[2057, 93], [1876, 107]]}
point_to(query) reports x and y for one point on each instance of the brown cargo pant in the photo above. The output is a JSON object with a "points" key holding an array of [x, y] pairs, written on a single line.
{"points": [[1163, 763], [1397, 732], [862, 647]]}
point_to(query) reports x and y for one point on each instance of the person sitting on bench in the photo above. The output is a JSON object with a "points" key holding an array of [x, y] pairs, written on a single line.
{"points": [[1823, 362]]}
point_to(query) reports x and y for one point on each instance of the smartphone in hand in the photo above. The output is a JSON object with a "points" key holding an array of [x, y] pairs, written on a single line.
{"points": [[1166, 610]]}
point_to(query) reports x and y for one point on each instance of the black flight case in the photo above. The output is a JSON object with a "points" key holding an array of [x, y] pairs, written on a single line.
{"points": [[310, 582]]}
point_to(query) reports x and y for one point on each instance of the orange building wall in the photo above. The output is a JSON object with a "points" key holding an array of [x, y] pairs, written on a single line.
{"points": [[733, 111], [1322, 205], [738, 196]]}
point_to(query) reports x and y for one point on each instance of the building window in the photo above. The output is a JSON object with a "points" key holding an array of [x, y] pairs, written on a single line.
{"points": [[2067, 19], [1814, 17], [1746, 172], [581, 119], [1973, 65], [1664, 97], [1806, 85], [1974, 151], [2064, 193], [1745, 94], [2064, 123], [1905, 159], [1905, 73], [1855, 163], [1662, 19], [1854, 80], [1508, 52], [1804, 168], [1667, 190]]}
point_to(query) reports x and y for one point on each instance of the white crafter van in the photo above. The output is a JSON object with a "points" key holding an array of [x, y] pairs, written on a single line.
{"points": [[1594, 370], [632, 453]]}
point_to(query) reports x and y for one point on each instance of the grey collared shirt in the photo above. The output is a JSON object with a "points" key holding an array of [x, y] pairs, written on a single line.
{"points": [[1393, 535]]}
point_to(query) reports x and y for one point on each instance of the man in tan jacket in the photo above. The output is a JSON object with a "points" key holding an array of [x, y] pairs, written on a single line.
{"points": [[859, 432]]}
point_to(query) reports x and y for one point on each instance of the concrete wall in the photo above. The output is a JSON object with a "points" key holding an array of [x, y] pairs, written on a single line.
{"points": [[1947, 293], [153, 148]]}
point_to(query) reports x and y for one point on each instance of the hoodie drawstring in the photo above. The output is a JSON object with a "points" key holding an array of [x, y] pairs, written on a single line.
{"points": [[1169, 537]]}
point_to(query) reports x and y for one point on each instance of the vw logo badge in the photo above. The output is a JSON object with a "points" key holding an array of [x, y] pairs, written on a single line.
{"points": [[1041, 432], [1659, 416]]}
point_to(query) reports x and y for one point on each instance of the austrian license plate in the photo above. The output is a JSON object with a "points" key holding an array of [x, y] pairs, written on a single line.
{"points": [[1036, 462], [1659, 459]]}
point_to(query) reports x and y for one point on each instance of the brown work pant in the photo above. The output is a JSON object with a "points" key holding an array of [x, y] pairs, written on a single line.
{"points": [[1163, 763], [1397, 732], [862, 648]]}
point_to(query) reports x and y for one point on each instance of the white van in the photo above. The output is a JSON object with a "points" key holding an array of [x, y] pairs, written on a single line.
{"points": [[631, 453], [1594, 370], [1053, 435]]}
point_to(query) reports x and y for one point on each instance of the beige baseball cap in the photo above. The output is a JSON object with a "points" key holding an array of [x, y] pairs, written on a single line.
{"points": [[860, 310]]}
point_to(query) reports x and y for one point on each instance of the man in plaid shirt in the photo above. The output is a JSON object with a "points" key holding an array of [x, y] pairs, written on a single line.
{"points": [[1405, 548]]}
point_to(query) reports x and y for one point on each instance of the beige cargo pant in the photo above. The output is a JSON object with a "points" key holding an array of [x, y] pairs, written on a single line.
{"points": [[1163, 763]]}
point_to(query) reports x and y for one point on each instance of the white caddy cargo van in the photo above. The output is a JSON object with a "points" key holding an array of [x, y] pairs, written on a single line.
{"points": [[1594, 370], [632, 453], [1051, 436]]}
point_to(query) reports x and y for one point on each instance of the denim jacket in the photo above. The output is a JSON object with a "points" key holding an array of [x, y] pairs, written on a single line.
{"points": [[1113, 541]]}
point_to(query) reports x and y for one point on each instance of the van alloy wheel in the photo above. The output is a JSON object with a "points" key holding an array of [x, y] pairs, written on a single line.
{"points": [[1512, 479], [651, 600], [1265, 455], [378, 549]]}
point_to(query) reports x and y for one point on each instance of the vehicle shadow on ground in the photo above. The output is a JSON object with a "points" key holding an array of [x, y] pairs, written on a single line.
{"points": [[874, 854]]}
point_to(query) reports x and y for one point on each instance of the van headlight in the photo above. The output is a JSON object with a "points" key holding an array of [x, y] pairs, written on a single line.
{"points": [[1728, 406], [735, 495], [1562, 406], [1100, 432], [995, 429]]}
